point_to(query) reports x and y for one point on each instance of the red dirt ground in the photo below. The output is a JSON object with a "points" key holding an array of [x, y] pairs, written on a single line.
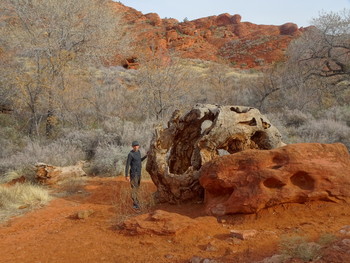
{"points": [[54, 234]]}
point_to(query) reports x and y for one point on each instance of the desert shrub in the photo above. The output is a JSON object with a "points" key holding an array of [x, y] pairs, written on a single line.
{"points": [[129, 131], [9, 176], [325, 131], [122, 201], [337, 113], [296, 127], [295, 118], [104, 147], [72, 185], [147, 200], [122, 204], [326, 239], [88, 140], [109, 160], [56, 153], [23, 195], [11, 141], [298, 247]]}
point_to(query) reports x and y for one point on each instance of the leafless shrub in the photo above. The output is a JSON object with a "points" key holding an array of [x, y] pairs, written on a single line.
{"points": [[109, 160], [72, 185], [123, 202], [325, 131], [56, 153], [297, 126]]}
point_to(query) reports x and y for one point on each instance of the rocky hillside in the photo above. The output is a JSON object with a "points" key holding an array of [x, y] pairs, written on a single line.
{"points": [[223, 38]]}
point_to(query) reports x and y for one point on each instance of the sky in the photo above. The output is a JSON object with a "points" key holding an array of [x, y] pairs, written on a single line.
{"points": [[267, 12]]}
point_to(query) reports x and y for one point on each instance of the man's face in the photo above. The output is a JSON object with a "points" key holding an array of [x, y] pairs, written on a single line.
{"points": [[136, 148]]}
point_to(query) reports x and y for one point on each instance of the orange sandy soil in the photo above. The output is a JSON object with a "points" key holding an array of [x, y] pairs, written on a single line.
{"points": [[54, 234]]}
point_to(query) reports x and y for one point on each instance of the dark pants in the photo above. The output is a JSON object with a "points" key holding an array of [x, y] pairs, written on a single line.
{"points": [[135, 184]]}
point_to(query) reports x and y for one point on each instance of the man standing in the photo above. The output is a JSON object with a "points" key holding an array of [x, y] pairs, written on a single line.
{"points": [[134, 174]]}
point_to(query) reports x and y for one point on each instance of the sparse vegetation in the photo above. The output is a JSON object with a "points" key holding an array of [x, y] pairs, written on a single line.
{"points": [[326, 239], [18, 195], [72, 186], [298, 247]]}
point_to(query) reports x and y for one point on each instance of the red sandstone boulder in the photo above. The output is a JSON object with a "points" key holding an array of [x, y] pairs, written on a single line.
{"points": [[288, 29], [187, 29], [170, 22], [172, 35], [248, 181], [241, 30], [236, 19], [154, 19], [223, 20]]}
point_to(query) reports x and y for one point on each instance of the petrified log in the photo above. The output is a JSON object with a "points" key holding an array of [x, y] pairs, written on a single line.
{"points": [[205, 132], [250, 180], [49, 174]]}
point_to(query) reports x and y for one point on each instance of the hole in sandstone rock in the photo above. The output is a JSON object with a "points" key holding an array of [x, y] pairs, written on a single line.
{"points": [[131, 63], [261, 139], [276, 166], [303, 180], [183, 154], [236, 145], [273, 183], [265, 124], [223, 152], [240, 109], [252, 122], [205, 125], [280, 160]]}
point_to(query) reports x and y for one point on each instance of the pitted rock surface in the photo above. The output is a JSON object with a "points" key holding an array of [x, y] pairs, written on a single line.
{"points": [[248, 181], [200, 135]]}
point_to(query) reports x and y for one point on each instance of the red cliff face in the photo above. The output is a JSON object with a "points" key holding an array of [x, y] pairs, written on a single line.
{"points": [[216, 38]]}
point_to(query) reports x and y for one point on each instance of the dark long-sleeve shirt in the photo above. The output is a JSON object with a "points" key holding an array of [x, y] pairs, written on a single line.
{"points": [[134, 163]]}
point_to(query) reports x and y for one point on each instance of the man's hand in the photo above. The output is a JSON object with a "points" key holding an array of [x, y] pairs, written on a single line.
{"points": [[127, 178]]}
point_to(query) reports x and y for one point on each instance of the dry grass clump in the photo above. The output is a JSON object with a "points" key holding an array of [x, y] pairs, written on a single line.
{"points": [[23, 195], [9, 176], [20, 198]]}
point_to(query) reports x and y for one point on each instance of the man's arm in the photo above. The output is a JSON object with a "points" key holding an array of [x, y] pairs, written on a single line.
{"points": [[144, 157]]}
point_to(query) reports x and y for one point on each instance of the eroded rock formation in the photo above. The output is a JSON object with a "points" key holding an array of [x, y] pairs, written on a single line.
{"points": [[215, 38], [248, 181], [162, 223], [205, 132], [49, 174]]}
